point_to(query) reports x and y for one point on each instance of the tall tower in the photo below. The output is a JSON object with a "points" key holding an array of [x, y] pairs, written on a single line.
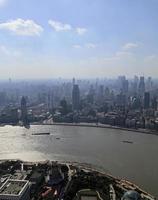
{"points": [[149, 84], [141, 86], [24, 111], [154, 103], [125, 85], [100, 98], [90, 96], [75, 97], [135, 85], [146, 100], [50, 101], [73, 81]]}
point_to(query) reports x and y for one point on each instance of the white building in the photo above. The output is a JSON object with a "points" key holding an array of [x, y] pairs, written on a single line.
{"points": [[15, 190]]}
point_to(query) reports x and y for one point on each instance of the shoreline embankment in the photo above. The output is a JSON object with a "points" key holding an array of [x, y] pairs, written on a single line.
{"points": [[92, 125], [144, 131]]}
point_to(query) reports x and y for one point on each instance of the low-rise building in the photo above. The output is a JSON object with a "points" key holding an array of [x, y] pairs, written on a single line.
{"points": [[15, 190]]}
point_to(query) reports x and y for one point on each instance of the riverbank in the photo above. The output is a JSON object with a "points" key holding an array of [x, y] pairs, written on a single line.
{"points": [[144, 131]]}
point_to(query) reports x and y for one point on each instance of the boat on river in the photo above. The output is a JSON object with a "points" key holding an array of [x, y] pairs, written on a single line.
{"points": [[127, 141], [47, 133]]}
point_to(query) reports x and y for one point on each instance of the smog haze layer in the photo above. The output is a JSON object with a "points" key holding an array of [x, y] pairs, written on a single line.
{"points": [[82, 38]]}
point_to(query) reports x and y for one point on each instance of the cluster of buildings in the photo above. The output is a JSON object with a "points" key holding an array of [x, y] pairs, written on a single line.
{"points": [[32, 181], [126, 103], [15, 115], [55, 181], [131, 103]]}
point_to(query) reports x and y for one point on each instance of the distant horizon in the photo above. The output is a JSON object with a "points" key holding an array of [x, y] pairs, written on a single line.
{"points": [[71, 78]]}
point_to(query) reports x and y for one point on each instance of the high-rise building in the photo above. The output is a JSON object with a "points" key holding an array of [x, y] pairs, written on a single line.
{"points": [[121, 99], [73, 81], [90, 96], [107, 93], [121, 79], [100, 95], [149, 84], [141, 88], [146, 100], [24, 111], [75, 97], [125, 86], [50, 101], [154, 103], [134, 85]]}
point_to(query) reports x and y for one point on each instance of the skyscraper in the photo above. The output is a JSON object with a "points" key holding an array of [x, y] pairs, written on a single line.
{"points": [[154, 103], [24, 111], [121, 99], [123, 82], [100, 95], [50, 101], [146, 100], [90, 96], [75, 97], [73, 81], [125, 86], [134, 85], [141, 88], [149, 84]]}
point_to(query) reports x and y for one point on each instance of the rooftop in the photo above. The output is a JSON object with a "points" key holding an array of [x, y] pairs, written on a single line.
{"points": [[88, 198], [13, 187], [87, 194]]}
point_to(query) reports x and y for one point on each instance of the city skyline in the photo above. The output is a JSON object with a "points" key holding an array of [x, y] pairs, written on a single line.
{"points": [[87, 39]]}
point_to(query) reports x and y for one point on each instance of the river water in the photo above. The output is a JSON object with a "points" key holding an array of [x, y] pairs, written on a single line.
{"points": [[101, 147]]}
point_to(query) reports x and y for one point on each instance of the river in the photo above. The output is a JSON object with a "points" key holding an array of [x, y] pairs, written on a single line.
{"points": [[104, 148]]}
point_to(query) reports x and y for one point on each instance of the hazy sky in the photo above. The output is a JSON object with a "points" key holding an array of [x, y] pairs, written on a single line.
{"points": [[81, 38]]}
